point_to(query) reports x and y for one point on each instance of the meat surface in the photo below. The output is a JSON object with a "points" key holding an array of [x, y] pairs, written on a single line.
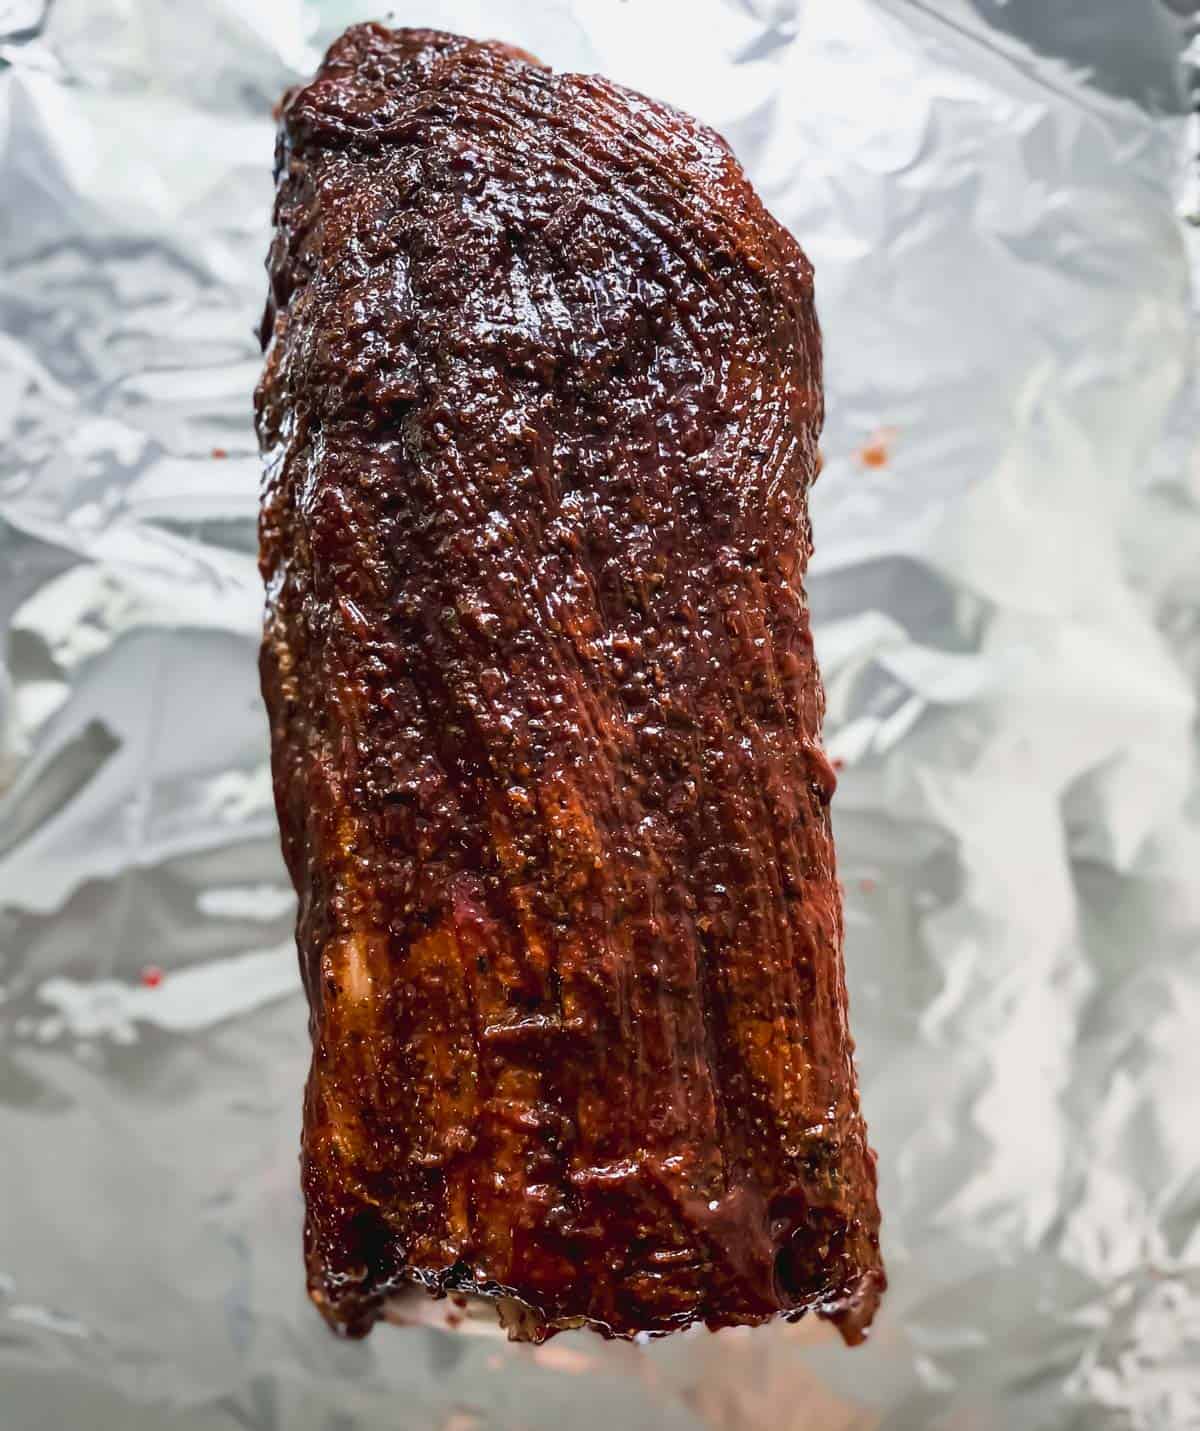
{"points": [[539, 415]]}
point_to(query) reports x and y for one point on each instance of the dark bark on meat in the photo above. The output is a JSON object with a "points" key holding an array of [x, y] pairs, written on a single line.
{"points": [[539, 416]]}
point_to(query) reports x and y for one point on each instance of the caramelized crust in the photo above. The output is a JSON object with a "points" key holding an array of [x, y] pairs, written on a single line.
{"points": [[539, 415]]}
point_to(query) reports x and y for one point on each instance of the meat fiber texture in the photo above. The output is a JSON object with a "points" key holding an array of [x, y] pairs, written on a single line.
{"points": [[539, 416]]}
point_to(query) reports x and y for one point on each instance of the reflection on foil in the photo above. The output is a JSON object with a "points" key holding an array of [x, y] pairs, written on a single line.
{"points": [[1007, 606], [185, 1002]]}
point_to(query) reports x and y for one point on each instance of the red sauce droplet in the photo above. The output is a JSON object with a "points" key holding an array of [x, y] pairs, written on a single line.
{"points": [[876, 451], [152, 976], [219, 452], [867, 886], [838, 763]]}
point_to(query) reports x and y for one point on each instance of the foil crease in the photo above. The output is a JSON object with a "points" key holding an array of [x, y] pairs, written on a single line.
{"points": [[1006, 593]]}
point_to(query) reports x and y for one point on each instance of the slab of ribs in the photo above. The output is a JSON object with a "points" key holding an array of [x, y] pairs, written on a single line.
{"points": [[539, 415]]}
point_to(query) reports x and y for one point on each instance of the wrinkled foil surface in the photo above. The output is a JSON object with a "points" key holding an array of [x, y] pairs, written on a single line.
{"points": [[1006, 593]]}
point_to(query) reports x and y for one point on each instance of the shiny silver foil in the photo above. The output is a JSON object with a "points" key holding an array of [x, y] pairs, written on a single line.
{"points": [[996, 196]]}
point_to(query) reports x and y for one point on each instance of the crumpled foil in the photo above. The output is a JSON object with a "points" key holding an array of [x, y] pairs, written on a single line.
{"points": [[1007, 605]]}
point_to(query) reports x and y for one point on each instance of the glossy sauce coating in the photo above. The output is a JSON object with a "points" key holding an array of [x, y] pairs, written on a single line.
{"points": [[539, 415]]}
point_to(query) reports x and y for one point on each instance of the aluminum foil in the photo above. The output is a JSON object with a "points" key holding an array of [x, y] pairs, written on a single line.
{"points": [[1007, 602]]}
